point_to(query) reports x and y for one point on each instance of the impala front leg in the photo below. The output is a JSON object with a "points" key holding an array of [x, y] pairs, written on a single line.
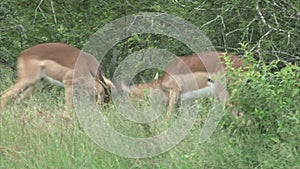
{"points": [[173, 98], [68, 94]]}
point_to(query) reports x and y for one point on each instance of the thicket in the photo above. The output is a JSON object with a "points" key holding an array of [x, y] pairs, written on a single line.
{"points": [[271, 28]]}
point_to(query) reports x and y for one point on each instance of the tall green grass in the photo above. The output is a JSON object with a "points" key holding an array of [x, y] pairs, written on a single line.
{"points": [[39, 133]]}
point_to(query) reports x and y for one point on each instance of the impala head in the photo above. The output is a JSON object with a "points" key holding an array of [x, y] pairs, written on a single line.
{"points": [[103, 87]]}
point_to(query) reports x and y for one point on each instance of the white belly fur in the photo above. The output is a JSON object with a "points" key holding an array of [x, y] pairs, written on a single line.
{"points": [[53, 81], [197, 94]]}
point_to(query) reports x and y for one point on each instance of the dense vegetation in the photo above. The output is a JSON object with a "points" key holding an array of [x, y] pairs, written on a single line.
{"points": [[39, 134]]}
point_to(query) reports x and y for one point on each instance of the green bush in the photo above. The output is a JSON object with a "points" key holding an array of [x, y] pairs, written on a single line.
{"points": [[269, 130]]}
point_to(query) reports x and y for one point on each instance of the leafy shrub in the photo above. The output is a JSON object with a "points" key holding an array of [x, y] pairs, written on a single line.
{"points": [[269, 102]]}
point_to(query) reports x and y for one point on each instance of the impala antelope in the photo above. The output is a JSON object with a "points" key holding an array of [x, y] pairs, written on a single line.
{"points": [[56, 62]]}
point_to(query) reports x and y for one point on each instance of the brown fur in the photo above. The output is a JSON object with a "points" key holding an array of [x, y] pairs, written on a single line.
{"points": [[57, 61], [208, 62], [175, 85]]}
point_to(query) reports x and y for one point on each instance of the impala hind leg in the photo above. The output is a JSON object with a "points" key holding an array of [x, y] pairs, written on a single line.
{"points": [[26, 93], [16, 89], [27, 76]]}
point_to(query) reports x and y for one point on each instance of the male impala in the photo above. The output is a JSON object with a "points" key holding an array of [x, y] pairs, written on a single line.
{"points": [[183, 70], [56, 62]]}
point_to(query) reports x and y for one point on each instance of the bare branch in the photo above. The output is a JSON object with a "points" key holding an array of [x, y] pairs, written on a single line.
{"points": [[211, 21], [262, 16], [53, 11], [36, 10], [233, 31]]}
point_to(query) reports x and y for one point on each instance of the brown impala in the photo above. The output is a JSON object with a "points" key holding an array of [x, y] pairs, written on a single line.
{"points": [[56, 62], [193, 69]]}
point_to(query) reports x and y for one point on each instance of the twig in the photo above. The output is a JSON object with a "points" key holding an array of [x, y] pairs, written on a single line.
{"points": [[53, 11], [262, 16], [36, 11], [211, 21]]}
